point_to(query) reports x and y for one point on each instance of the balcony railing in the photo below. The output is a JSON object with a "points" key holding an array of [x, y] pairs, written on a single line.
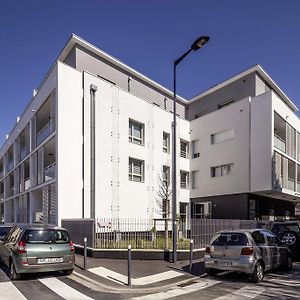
{"points": [[45, 132], [23, 153], [27, 184], [279, 143], [183, 153], [10, 165], [291, 184], [49, 172]]}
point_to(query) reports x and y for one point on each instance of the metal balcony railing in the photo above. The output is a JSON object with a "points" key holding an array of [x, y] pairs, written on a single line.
{"points": [[279, 143], [183, 153], [45, 132], [49, 172]]}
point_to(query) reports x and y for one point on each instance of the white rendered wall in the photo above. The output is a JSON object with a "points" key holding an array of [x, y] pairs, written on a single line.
{"points": [[262, 128], [116, 195], [236, 150], [69, 142]]}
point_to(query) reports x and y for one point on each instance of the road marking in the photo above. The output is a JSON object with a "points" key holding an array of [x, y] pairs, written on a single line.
{"points": [[10, 292], [247, 292], [63, 290], [122, 279], [179, 291]]}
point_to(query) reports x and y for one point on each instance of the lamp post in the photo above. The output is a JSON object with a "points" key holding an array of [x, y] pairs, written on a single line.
{"points": [[199, 43]]}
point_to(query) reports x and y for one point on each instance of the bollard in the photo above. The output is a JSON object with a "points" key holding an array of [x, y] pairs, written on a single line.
{"points": [[129, 265], [84, 253], [191, 255]]}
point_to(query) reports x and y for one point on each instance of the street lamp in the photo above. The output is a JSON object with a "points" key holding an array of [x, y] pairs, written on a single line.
{"points": [[199, 43]]}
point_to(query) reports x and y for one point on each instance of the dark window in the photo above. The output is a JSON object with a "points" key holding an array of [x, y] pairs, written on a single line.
{"points": [[258, 237], [271, 238], [230, 239], [4, 231], [51, 236]]}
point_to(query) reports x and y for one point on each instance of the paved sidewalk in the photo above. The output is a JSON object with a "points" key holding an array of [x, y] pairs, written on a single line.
{"points": [[146, 274]]}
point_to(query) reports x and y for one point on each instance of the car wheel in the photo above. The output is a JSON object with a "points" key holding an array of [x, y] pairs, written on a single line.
{"points": [[211, 272], [289, 264], [289, 238], [13, 273], [68, 272], [258, 273]]}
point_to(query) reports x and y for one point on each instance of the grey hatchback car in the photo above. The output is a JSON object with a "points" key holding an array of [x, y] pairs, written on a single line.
{"points": [[37, 248], [252, 251]]}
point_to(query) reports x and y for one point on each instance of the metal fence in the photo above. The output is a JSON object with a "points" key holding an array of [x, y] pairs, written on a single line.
{"points": [[150, 233]]}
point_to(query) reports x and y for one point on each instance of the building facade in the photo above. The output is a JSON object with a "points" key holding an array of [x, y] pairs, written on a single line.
{"points": [[95, 140]]}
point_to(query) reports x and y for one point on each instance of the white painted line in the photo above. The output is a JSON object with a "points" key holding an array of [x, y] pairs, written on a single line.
{"points": [[247, 292], [10, 292], [122, 279], [108, 274], [63, 290], [179, 291], [156, 278]]}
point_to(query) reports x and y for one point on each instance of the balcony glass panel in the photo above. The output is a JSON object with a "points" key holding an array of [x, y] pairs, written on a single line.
{"points": [[279, 143], [27, 184], [291, 184], [298, 186], [23, 153], [49, 172], [45, 132], [10, 166]]}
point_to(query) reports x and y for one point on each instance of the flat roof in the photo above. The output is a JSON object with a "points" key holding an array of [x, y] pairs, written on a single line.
{"points": [[258, 69]]}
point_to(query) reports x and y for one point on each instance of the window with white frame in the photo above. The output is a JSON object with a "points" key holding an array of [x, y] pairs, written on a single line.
{"points": [[136, 170], [166, 174], [184, 179], [136, 132], [195, 149], [184, 149], [222, 136], [166, 142], [195, 179], [222, 170]]}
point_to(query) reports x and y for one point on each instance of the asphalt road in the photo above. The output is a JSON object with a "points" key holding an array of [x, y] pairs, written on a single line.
{"points": [[50, 286]]}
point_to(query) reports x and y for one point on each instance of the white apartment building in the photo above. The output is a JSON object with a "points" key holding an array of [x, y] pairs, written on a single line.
{"points": [[96, 136]]}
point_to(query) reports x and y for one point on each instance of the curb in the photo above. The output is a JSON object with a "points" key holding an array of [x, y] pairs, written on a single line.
{"points": [[133, 289]]}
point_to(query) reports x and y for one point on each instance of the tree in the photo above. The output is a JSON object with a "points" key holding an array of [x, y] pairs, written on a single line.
{"points": [[163, 200]]}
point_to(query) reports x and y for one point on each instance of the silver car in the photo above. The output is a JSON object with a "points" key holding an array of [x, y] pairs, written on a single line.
{"points": [[252, 251]]}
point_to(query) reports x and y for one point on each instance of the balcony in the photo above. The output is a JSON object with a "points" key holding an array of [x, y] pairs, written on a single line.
{"points": [[279, 143], [45, 132], [10, 166], [49, 172], [23, 154]]}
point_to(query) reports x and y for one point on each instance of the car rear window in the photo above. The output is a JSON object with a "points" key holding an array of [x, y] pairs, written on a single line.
{"points": [[48, 236], [229, 239], [4, 230]]}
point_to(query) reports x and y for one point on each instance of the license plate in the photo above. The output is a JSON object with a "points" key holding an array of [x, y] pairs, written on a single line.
{"points": [[50, 260]]}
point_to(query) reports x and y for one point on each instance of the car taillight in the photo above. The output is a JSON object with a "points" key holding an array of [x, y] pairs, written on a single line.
{"points": [[247, 251], [207, 250], [72, 248], [21, 247]]}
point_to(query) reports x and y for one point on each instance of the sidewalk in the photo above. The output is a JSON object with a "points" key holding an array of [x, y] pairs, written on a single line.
{"points": [[112, 274]]}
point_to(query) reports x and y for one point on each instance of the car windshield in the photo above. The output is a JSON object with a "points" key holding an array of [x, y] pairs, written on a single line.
{"points": [[4, 230], [48, 236], [229, 239]]}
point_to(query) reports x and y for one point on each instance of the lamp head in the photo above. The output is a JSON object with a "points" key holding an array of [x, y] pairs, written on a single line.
{"points": [[200, 42]]}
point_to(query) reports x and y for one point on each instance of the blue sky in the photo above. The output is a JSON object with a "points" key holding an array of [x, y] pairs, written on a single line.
{"points": [[148, 36]]}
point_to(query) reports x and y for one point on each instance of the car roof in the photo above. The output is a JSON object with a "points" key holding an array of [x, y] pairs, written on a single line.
{"points": [[250, 230], [38, 226]]}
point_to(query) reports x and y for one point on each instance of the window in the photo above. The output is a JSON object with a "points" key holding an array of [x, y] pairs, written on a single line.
{"points": [[136, 132], [166, 174], [136, 170], [226, 103], [195, 179], [195, 149], [166, 142], [184, 179], [184, 149], [221, 170], [221, 137], [183, 211], [201, 210], [165, 102]]}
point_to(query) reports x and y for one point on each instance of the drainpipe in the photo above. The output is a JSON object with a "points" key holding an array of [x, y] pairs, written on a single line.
{"points": [[93, 90], [250, 124]]}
